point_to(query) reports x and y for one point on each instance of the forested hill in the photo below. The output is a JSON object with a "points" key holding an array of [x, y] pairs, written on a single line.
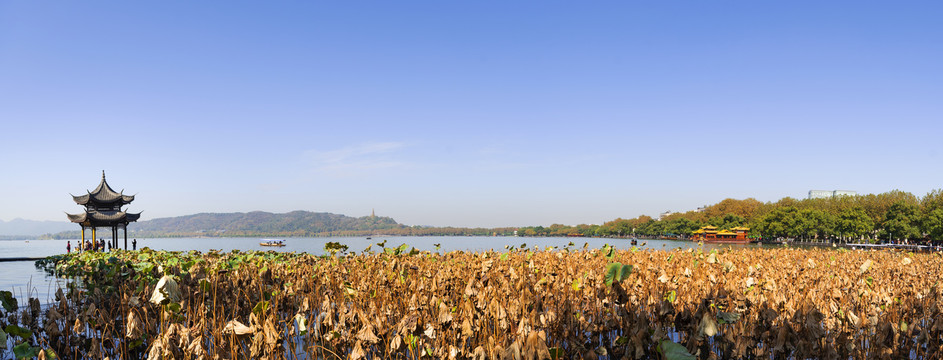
{"points": [[295, 223], [256, 223]]}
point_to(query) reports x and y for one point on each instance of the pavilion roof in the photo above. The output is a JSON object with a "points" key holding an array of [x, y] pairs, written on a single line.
{"points": [[103, 194], [103, 218]]}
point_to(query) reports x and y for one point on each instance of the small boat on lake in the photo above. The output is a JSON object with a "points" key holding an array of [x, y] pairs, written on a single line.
{"points": [[272, 242]]}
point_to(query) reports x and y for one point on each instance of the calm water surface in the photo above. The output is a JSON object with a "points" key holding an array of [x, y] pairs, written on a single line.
{"points": [[23, 278]]}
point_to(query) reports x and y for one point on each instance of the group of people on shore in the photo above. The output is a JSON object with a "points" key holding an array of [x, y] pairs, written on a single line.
{"points": [[100, 245]]}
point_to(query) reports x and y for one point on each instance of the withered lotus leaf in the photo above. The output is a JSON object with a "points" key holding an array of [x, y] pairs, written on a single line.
{"points": [[445, 314], [712, 258], [864, 267], [396, 342], [52, 328], [430, 331], [301, 324], [196, 347], [854, 320], [478, 353], [237, 328], [519, 304], [467, 329], [272, 336], [366, 335], [664, 278], [133, 326], [157, 350], [165, 291], [707, 327], [357, 352]]}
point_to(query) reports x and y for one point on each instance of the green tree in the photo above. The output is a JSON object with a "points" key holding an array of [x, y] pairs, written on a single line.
{"points": [[651, 228], [854, 223], [810, 224], [933, 200], [730, 221], [617, 227], [681, 227], [777, 223], [933, 224], [901, 221]]}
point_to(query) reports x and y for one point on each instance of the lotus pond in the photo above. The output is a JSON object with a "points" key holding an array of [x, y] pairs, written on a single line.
{"points": [[551, 303]]}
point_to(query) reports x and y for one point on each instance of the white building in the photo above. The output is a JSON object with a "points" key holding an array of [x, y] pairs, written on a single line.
{"points": [[827, 194], [838, 193]]}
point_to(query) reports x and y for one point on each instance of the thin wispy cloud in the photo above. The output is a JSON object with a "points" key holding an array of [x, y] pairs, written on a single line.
{"points": [[492, 150], [357, 159]]}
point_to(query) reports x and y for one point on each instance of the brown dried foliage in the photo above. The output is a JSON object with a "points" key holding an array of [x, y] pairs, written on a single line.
{"points": [[782, 303]]}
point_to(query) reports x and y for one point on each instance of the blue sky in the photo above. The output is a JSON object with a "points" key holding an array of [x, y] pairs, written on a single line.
{"points": [[471, 113]]}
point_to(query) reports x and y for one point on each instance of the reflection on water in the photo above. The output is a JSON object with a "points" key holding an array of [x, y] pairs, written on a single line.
{"points": [[23, 278]]}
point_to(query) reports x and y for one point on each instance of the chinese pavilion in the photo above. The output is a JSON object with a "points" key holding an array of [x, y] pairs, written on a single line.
{"points": [[103, 209]]}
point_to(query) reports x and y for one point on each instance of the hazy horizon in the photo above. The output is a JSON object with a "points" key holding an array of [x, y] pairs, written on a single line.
{"points": [[469, 114]]}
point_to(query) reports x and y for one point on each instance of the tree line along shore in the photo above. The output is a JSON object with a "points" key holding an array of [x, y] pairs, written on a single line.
{"points": [[893, 216]]}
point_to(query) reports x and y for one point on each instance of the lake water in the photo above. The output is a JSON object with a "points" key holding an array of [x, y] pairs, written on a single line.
{"points": [[23, 278]]}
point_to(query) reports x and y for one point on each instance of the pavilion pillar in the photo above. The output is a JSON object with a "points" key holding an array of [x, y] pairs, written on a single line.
{"points": [[126, 236], [114, 236], [94, 237], [82, 242]]}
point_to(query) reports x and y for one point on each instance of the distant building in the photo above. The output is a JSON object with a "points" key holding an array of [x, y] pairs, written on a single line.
{"points": [[820, 194], [664, 215], [827, 194], [838, 193], [701, 209]]}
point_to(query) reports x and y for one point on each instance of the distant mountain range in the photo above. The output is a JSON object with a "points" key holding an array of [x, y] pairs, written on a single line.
{"points": [[295, 223], [256, 223], [250, 224], [29, 228]]}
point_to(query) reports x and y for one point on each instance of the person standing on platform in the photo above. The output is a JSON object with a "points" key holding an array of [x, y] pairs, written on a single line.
{"points": [[134, 244], [68, 246]]}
